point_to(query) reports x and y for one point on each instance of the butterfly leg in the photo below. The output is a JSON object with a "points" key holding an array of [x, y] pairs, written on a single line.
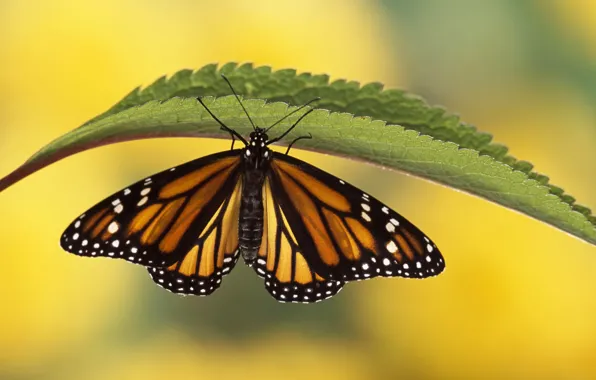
{"points": [[231, 134], [296, 139], [290, 129]]}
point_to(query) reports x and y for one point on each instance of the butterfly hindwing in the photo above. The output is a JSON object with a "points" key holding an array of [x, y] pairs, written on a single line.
{"points": [[345, 234], [213, 255], [157, 220], [281, 261]]}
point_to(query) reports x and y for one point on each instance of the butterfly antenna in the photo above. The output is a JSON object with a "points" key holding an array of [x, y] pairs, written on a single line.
{"points": [[238, 99], [290, 129], [291, 113], [225, 127]]}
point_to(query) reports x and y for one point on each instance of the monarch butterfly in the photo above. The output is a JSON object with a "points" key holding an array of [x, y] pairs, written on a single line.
{"points": [[303, 230]]}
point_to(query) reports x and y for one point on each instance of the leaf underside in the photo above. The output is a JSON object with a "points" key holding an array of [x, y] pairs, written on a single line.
{"points": [[426, 141]]}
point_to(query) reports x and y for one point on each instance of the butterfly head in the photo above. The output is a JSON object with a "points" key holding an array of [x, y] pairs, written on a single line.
{"points": [[258, 137], [256, 151]]}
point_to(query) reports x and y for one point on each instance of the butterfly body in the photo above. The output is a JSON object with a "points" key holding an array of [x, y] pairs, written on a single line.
{"points": [[255, 164], [304, 231]]}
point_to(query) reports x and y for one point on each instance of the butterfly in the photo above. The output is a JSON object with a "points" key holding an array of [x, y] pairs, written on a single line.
{"points": [[304, 231]]}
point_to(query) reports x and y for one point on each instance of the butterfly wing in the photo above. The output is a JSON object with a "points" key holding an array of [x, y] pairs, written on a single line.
{"points": [[156, 221], [341, 233], [281, 259], [213, 254]]}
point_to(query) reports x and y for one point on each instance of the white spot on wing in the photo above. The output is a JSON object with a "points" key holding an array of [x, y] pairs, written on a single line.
{"points": [[390, 227], [142, 201], [391, 247], [113, 227], [365, 216]]}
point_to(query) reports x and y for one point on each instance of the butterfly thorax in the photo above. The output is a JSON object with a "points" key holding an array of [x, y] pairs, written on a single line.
{"points": [[255, 160]]}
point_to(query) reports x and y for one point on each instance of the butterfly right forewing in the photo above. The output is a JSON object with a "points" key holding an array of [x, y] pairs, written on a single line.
{"points": [[152, 221]]}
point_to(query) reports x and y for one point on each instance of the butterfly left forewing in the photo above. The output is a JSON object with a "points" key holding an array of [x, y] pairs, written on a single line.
{"points": [[152, 221]]}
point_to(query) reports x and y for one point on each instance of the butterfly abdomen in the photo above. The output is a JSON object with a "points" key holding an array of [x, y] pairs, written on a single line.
{"points": [[250, 226]]}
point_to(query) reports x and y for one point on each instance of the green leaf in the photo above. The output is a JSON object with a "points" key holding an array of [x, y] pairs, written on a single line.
{"points": [[392, 106], [466, 160]]}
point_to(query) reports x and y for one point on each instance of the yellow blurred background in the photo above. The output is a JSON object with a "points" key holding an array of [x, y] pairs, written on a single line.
{"points": [[517, 298]]}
